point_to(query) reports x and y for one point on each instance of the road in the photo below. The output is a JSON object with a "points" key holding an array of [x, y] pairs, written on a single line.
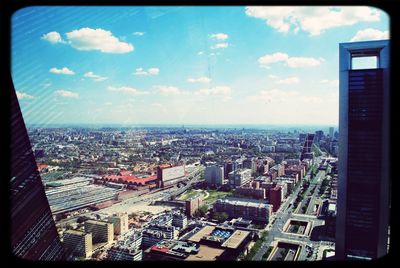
{"points": [[283, 214]]}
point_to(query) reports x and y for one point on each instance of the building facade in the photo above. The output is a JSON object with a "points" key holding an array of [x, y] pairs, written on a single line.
{"points": [[102, 232], [214, 175], [77, 244], [33, 234], [363, 181]]}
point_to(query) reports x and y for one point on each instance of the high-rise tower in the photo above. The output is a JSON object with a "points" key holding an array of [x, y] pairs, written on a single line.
{"points": [[33, 232], [363, 192]]}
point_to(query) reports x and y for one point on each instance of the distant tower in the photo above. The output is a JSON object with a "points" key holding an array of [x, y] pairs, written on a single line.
{"points": [[33, 232], [307, 153], [363, 182]]}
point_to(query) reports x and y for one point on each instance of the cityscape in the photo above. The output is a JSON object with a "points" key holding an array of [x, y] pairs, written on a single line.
{"points": [[275, 163]]}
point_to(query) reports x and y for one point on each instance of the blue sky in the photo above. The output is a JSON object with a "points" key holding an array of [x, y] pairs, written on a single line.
{"points": [[184, 65]]}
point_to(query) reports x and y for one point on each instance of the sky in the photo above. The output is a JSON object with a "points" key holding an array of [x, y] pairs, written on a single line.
{"points": [[184, 65]]}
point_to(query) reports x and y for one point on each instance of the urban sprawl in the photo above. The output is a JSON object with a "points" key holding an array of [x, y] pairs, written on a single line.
{"points": [[163, 193]]}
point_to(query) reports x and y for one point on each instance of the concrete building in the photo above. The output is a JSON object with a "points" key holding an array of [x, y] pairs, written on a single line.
{"points": [[168, 175], [156, 233], [77, 244], [214, 175], [256, 193], [118, 253], [102, 232], [239, 177], [275, 197], [362, 224], [179, 220], [120, 223], [246, 208], [192, 205]]}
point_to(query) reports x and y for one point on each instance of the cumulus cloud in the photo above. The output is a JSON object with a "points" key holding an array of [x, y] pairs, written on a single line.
{"points": [[95, 77], [168, 90], [292, 62], [22, 95], [149, 71], [64, 70], [200, 53], [52, 37], [138, 33], [333, 83], [67, 94], [202, 79], [288, 81], [314, 20], [370, 34], [219, 45], [127, 90], [97, 39], [296, 62], [218, 90], [219, 36]]}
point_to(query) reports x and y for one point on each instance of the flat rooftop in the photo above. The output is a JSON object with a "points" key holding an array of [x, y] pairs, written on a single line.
{"points": [[75, 232], [206, 230], [206, 253], [236, 239]]}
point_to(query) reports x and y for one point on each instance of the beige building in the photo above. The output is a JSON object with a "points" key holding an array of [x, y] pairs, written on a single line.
{"points": [[102, 232], [77, 243], [120, 222]]}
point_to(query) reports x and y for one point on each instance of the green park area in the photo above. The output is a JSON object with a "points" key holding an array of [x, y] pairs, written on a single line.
{"points": [[209, 196]]}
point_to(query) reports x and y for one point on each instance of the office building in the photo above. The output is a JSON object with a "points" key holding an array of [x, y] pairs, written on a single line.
{"points": [[331, 130], [102, 232], [77, 244], [120, 223], [214, 175], [192, 205], [363, 181], [179, 220], [33, 234], [239, 177]]}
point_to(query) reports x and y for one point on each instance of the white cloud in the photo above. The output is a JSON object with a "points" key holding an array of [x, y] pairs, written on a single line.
{"points": [[150, 71], [138, 33], [311, 99], [200, 53], [296, 62], [21, 95], [272, 76], [202, 79], [370, 34], [52, 37], [219, 36], [168, 90], [67, 94], [288, 81], [220, 45], [218, 90], [153, 71], [292, 62], [97, 39], [64, 70], [273, 95], [333, 83], [108, 103], [127, 90], [314, 20], [95, 77], [276, 57]]}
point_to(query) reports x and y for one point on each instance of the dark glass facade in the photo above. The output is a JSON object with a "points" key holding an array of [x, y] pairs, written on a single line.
{"points": [[364, 161], [33, 232]]}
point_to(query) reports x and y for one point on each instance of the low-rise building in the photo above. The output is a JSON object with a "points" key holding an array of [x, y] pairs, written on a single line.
{"points": [[246, 208]]}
